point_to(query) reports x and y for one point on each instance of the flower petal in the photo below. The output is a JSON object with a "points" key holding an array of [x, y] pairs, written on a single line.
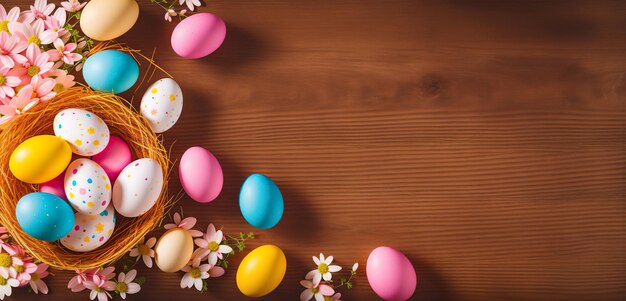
{"points": [[306, 295]]}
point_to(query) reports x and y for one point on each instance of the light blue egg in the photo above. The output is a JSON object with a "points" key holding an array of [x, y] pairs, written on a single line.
{"points": [[44, 216], [261, 202], [111, 71]]}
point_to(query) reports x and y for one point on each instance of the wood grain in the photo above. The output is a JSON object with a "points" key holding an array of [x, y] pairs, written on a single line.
{"points": [[485, 139]]}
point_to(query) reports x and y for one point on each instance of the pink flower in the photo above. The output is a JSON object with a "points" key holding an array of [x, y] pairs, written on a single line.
{"points": [[22, 102], [10, 49], [4, 234], [169, 14], [190, 3], [36, 33], [42, 88], [8, 19], [196, 273], [319, 291], [186, 224], [336, 297], [39, 11], [144, 250], [56, 22], [7, 83], [23, 266], [77, 283], [36, 284], [100, 288], [211, 245], [73, 5], [7, 264], [38, 62], [64, 52], [63, 80], [125, 284]]}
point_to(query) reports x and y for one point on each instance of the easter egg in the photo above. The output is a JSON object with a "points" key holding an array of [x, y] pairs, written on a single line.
{"points": [[90, 231], [138, 187], [55, 186], [200, 174], [85, 132], [44, 216], [261, 202], [198, 35], [114, 157], [110, 71], [390, 274], [104, 20], [40, 159], [173, 250], [261, 271], [162, 104], [87, 186]]}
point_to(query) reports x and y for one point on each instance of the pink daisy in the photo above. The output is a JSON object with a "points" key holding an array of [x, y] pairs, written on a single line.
{"points": [[10, 50]]}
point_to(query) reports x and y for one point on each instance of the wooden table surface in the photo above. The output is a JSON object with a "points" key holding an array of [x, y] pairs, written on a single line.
{"points": [[485, 139]]}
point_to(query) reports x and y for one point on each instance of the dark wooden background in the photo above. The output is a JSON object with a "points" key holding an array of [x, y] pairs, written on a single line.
{"points": [[485, 139]]}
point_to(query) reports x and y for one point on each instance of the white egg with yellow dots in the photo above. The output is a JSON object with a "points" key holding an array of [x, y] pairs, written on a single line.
{"points": [[90, 231], [85, 132], [162, 104]]}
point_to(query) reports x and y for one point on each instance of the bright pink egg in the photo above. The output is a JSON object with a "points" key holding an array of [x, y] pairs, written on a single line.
{"points": [[114, 157], [390, 274], [198, 35], [200, 174], [55, 186]]}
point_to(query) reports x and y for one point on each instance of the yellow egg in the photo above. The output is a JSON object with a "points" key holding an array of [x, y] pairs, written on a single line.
{"points": [[173, 250], [40, 159], [261, 271], [105, 20]]}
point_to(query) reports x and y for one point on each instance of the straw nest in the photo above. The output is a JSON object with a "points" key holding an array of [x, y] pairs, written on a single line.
{"points": [[123, 121]]}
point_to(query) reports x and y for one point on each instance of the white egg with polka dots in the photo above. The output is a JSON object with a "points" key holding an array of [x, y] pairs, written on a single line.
{"points": [[85, 132], [87, 186], [138, 187], [162, 104], [90, 231]]}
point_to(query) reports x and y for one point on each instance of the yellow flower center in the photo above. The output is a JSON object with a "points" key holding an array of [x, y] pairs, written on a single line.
{"points": [[98, 289], [143, 249], [4, 25], [315, 290], [323, 268], [195, 273], [33, 70], [34, 40], [5, 260], [58, 88], [3, 281], [34, 277], [121, 287], [326, 298], [213, 246], [2, 79], [19, 268]]}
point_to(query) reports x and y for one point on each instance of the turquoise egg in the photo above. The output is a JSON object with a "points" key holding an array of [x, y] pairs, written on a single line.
{"points": [[44, 216], [111, 71], [261, 202]]}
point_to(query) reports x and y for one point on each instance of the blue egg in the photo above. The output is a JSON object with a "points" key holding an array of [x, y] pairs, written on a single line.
{"points": [[44, 216], [261, 202], [111, 71]]}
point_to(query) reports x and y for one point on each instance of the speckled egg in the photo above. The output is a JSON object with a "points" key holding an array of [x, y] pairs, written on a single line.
{"points": [[90, 231], [138, 187], [87, 186], [85, 132], [162, 104], [44, 216]]}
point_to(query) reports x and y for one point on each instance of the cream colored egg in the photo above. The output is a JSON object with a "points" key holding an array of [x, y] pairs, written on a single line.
{"points": [[162, 104], [173, 250], [85, 132], [137, 187], [87, 186], [105, 20], [90, 231]]}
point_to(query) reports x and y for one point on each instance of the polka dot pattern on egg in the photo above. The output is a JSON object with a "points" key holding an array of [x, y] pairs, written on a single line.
{"points": [[162, 104], [90, 231], [87, 186], [85, 132]]}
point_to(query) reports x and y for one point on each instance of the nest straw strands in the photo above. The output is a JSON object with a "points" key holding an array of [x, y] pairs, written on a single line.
{"points": [[122, 121]]}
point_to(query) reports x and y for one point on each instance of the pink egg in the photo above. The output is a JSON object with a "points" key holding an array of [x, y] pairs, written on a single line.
{"points": [[200, 174], [114, 157], [390, 274], [198, 35], [55, 186]]}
